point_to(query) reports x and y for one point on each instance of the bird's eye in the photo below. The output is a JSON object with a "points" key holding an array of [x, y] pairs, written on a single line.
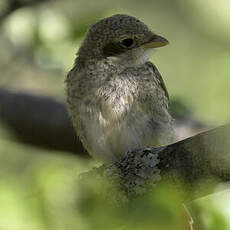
{"points": [[128, 42]]}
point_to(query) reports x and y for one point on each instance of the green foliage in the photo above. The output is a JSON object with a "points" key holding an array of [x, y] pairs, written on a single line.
{"points": [[160, 209]]}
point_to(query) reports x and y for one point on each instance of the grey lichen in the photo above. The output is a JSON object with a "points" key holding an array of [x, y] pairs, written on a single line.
{"points": [[137, 171], [133, 175]]}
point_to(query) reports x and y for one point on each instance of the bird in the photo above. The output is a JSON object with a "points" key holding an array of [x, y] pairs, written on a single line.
{"points": [[115, 96]]}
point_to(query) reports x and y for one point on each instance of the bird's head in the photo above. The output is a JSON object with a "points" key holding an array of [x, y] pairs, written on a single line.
{"points": [[122, 39]]}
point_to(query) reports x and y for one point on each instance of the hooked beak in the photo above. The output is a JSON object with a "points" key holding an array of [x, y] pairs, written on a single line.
{"points": [[156, 41]]}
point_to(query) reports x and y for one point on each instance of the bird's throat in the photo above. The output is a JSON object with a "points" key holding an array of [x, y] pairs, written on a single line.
{"points": [[132, 58]]}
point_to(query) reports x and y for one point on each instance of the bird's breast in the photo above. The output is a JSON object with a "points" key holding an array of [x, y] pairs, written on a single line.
{"points": [[115, 97], [108, 92]]}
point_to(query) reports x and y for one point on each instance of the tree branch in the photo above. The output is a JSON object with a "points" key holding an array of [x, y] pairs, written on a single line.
{"points": [[203, 157], [39, 121]]}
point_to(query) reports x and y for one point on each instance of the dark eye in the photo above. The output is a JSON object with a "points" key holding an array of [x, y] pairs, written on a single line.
{"points": [[127, 42]]}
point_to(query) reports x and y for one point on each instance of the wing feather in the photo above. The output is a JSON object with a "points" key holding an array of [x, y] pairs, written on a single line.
{"points": [[160, 79]]}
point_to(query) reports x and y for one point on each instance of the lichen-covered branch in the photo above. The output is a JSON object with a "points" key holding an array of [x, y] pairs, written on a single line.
{"points": [[203, 157]]}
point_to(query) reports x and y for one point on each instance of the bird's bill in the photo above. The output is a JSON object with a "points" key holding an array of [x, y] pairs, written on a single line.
{"points": [[156, 41]]}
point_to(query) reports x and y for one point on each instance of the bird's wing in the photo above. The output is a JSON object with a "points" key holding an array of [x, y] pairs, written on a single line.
{"points": [[159, 77]]}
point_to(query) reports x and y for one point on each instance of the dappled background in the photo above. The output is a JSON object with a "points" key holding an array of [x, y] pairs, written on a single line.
{"points": [[38, 43]]}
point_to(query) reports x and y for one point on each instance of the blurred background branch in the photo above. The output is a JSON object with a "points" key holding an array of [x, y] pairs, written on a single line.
{"points": [[39, 121]]}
